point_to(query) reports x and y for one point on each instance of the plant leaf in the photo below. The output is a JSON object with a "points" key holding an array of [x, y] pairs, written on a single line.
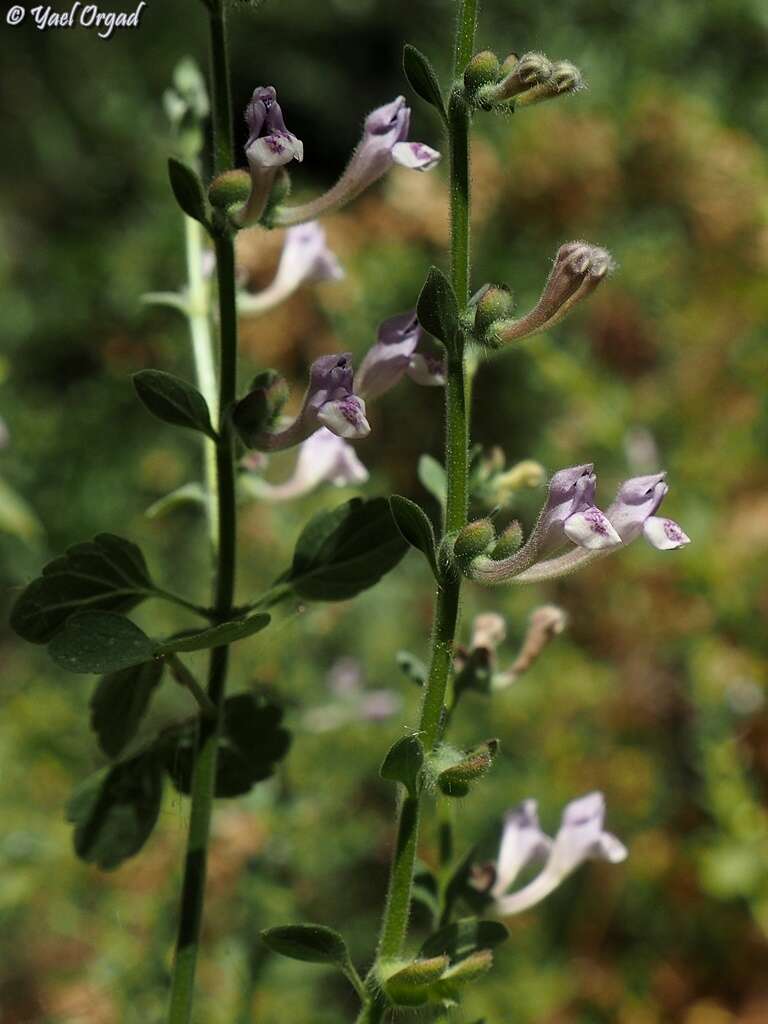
{"points": [[464, 937], [432, 477], [216, 636], [108, 574], [192, 494], [413, 668], [422, 78], [188, 190], [403, 763], [173, 400], [345, 551], [119, 702], [437, 308], [253, 742], [312, 943], [417, 530], [98, 642], [114, 812]]}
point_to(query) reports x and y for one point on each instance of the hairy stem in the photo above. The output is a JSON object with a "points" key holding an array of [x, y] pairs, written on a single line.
{"points": [[395, 921], [209, 728]]}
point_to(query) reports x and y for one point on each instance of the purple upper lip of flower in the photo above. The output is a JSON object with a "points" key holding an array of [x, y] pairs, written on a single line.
{"points": [[263, 114], [640, 489], [394, 115]]}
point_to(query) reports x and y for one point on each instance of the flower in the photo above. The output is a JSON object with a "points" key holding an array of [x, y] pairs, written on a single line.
{"points": [[395, 354], [633, 512], [569, 514], [270, 145], [350, 700], [578, 269], [383, 143], [580, 837], [329, 402], [324, 456], [305, 259]]}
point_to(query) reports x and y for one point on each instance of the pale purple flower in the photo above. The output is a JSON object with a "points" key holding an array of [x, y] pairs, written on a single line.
{"points": [[323, 457], [270, 146], [632, 513], [305, 259], [569, 515], [384, 142], [350, 701], [522, 843], [394, 354], [580, 837], [329, 401]]}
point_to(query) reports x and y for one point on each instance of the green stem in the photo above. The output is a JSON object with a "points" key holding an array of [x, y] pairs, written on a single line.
{"points": [[199, 320], [209, 728], [395, 923]]}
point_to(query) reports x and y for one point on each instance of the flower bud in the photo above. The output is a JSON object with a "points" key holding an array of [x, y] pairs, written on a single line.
{"points": [[483, 69], [455, 780], [257, 411], [495, 303], [521, 76], [509, 541], [229, 189], [578, 269], [473, 540], [467, 970], [565, 78], [409, 986]]}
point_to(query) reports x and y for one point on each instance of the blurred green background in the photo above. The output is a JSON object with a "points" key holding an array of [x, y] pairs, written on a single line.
{"points": [[656, 693]]}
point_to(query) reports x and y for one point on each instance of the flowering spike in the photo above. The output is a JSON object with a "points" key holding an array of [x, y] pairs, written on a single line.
{"points": [[580, 837], [305, 259], [384, 142], [324, 456], [578, 269]]}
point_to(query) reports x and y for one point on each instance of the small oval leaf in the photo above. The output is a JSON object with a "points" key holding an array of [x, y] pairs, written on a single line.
{"points": [[216, 636], [417, 530], [119, 702], [403, 764], [422, 78], [188, 190], [173, 400], [438, 310], [312, 943]]}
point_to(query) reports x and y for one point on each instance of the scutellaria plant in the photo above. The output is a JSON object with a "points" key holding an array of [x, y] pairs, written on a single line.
{"points": [[78, 606]]}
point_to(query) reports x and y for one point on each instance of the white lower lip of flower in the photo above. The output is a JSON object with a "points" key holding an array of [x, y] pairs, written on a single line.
{"points": [[415, 155], [345, 417], [591, 529], [275, 150], [664, 534]]}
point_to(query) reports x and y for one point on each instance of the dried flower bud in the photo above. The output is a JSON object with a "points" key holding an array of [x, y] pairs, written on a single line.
{"points": [[545, 624], [564, 78], [578, 269], [483, 69]]}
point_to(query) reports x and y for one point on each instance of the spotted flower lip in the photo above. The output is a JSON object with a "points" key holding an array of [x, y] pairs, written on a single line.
{"points": [[323, 458], [269, 146], [384, 142], [396, 353], [305, 259], [581, 837], [329, 401]]}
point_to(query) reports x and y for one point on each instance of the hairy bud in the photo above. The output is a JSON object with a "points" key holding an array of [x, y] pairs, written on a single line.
{"points": [[495, 302], [229, 189], [483, 69], [521, 75], [508, 543], [473, 540], [564, 78]]}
